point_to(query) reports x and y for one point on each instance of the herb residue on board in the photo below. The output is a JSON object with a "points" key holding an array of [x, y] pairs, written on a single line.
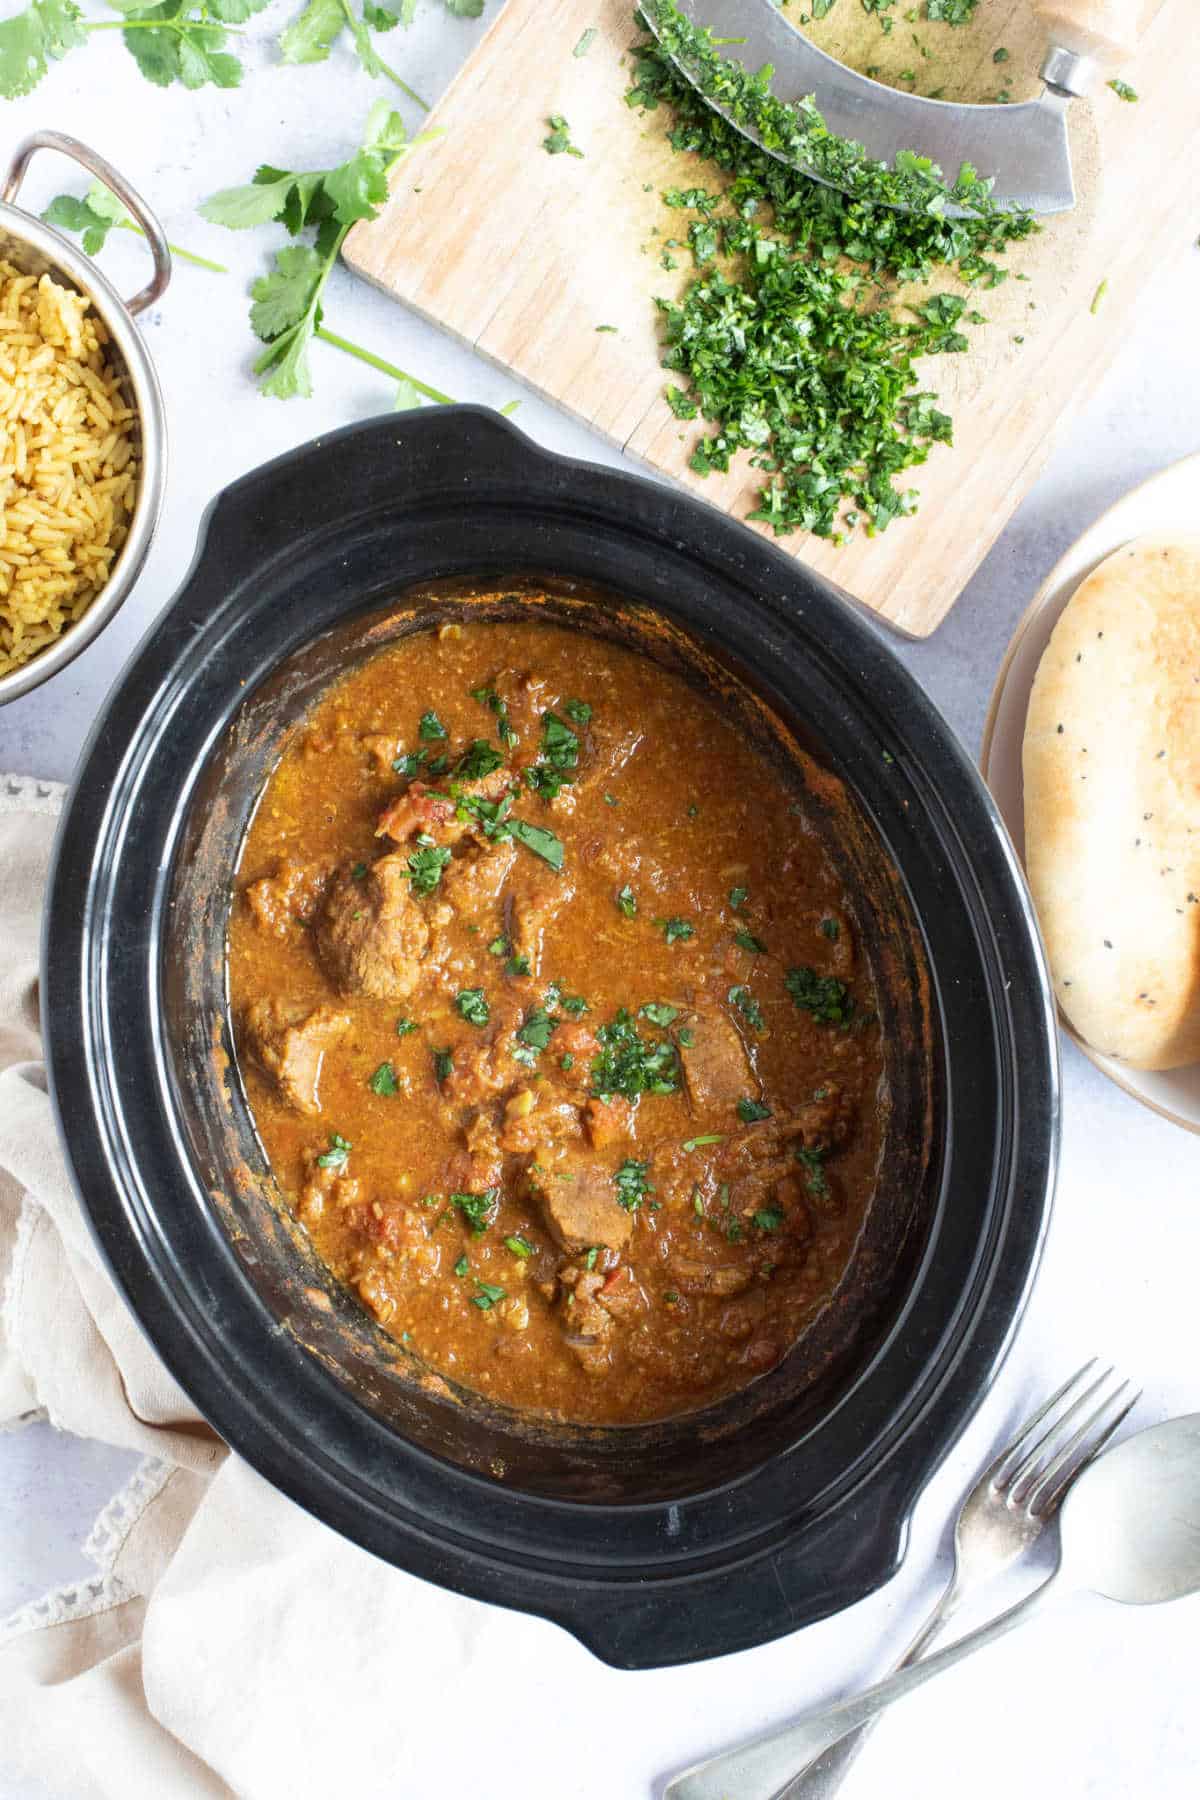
{"points": [[793, 342]]}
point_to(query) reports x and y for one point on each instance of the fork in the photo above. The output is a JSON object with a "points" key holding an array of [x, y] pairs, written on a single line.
{"points": [[1005, 1512]]}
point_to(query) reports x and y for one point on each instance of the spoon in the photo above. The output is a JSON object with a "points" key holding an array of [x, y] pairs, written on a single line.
{"points": [[1130, 1530]]}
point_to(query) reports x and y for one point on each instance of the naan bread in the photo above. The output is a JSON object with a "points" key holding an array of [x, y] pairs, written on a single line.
{"points": [[1112, 804]]}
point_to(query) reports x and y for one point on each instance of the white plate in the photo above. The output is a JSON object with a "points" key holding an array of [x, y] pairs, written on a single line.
{"points": [[1169, 501]]}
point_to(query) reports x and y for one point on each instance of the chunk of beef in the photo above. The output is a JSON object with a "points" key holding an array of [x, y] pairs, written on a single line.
{"points": [[824, 1122], [473, 881], [578, 1202], [531, 912], [609, 1121], [533, 1118], [288, 898], [371, 934], [587, 1326], [289, 1044], [621, 1296], [697, 1277], [716, 1069]]}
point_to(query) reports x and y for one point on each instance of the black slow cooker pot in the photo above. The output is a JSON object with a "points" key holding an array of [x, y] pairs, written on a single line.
{"points": [[653, 1544]]}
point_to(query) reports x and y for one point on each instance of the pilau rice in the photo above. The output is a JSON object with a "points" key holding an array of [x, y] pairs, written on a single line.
{"points": [[68, 472]]}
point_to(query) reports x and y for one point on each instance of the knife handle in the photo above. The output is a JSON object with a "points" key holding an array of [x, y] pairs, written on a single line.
{"points": [[1086, 36]]}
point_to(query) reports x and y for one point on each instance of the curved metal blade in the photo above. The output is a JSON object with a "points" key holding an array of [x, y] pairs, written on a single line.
{"points": [[1025, 148]]}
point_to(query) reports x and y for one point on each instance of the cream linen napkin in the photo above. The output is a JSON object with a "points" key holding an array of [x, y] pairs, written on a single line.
{"points": [[227, 1643]]}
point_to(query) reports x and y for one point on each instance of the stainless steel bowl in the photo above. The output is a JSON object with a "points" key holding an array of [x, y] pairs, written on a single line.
{"points": [[37, 249]]}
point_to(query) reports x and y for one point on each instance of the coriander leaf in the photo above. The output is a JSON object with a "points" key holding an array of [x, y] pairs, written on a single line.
{"points": [[235, 12], [750, 1111], [310, 37], [425, 867], [283, 298], [951, 12], [380, 19], [535, 1033], [488, 1294], [404, 1026], [585, 42], [357, 188], [465, 9], [543, 843], [338, 1153], [558, 140], [478, 1209], [69, 214], [708, 1137], [520, 1246], [517, 966], [201, 62], [746, 940], [632, 1184], [480, 760], [631, 1065], [257, 203], [443, 1065], [768, 1218], [32, 39], [578, 711], [737, 895], [658, 1013], [462, 1266], [824, 996], [741, 997], [1122, 89], [383, 1081], [676, 930], [284, 365], [472, 1004]]}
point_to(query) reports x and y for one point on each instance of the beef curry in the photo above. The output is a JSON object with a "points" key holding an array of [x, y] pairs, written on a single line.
{"points": [[552, 1017]]}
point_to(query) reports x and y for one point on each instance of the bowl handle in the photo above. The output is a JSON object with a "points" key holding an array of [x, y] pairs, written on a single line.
{"points": [[117, 184]]}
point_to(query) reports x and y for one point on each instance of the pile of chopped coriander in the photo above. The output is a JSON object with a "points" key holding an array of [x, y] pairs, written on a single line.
{"points": [[792, 342]]}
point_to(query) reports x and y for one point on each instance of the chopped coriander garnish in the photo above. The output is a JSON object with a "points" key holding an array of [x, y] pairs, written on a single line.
{"points": [[543, 843], [1000, 55], [358, 872], [338, 1153], [829, 929], [741, 997], [487, 1296], [737, 895], [815, 1178], [477, 1209], [632, 1184], [472, 1004], [750, 1111], [611, 800], [1122, 89], [824, 996], [537, 1029], [480, 760], [431, 728], [687, 1037], [499, 946], [580, 711], [383, 1081], [566, 1061], [709, 1137], [559, 138], [591, 1257], [631, 1065], [606, 328], [425, 866], [575, 1004], [519, 1246], [443, 1064], [658, 1012], [404, 1026], [746, 940], [676, 930], [438, 766], [768, 1219], [409, 764], [627, 901], [517, 965], [697, 1201], [585, 43], [462, 1265]]}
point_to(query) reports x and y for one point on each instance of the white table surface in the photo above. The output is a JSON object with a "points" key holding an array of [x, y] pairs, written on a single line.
{"points": [[1097, 1700]]}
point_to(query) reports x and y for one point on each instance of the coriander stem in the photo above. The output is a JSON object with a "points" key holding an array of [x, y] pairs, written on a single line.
{"points": [[385, 368], [360, 25], [189, 256], [161, 25]]}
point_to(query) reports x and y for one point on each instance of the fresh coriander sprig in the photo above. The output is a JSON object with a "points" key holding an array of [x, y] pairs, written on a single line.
{"points": [[175, 41], [311, 36], [286, 313], [100, 212]]}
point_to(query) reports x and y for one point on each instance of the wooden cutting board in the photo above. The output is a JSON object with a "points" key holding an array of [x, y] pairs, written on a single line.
{"points": [[523, 255]]}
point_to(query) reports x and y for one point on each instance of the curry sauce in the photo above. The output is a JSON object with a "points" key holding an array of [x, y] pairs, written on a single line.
{"points": [[550, 1011]]}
